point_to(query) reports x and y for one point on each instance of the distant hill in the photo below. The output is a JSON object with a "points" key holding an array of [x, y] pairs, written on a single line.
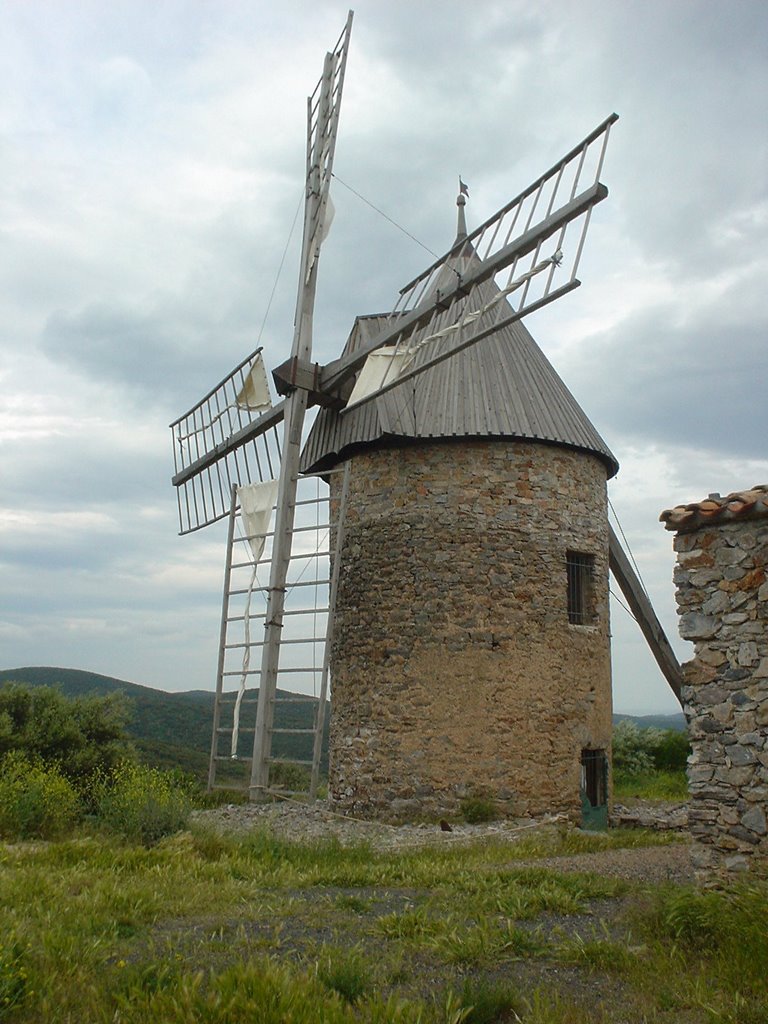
{"points": [[174, 729], [171, 729], [674, 721]]}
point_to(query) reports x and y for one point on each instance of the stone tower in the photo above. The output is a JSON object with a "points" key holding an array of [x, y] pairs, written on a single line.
{"points": [[471, 650]]}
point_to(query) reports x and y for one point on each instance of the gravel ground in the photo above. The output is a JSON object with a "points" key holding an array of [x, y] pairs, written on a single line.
{"points": [[646, 864], [316, 822]]}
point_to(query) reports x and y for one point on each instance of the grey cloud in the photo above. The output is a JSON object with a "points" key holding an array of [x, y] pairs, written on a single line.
{"points": [[160, 354], [86, 469], [701, 386]]}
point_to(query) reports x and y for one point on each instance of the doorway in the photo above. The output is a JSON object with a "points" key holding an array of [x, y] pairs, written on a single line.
{"points": [[594, 789]]}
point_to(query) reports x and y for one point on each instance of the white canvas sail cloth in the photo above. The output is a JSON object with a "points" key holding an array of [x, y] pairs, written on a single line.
{"points": [[256, 504], [382, 366], [254, 394]]}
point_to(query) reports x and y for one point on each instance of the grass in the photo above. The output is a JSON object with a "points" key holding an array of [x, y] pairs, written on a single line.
{"points": [[486, 1002], [346, 973], [476, 809], [208, 928], [652, 785]]}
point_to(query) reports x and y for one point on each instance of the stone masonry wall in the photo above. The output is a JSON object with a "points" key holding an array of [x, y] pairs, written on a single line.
{"points": [[455, 669], [722, 597]]}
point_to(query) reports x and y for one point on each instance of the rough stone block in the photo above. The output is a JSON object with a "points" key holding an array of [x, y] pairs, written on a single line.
{"points": [[717, 604], [754, 820], [748, 653], [695, 626], [752, 739], [736, 864], [731, 556], [738, 756], [711, 657], [711, 694], [735, 618], [735, 777], [742, 835]]}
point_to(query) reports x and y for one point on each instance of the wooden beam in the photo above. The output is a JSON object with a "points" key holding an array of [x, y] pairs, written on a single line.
{"points": [[643, 612], [301, 373]]}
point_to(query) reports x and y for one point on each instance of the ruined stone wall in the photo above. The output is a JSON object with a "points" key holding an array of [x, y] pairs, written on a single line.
{"points": [[455, 669], [722, 598]]}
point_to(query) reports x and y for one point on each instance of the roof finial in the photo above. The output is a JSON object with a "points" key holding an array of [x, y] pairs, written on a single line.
{"points": [[461, 231]]}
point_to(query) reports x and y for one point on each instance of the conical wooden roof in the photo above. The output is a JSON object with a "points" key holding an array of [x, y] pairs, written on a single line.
{"points": [[502, 388]]}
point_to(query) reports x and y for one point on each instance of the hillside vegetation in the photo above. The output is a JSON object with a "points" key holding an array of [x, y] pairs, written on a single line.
{"points": [[172, 730]]}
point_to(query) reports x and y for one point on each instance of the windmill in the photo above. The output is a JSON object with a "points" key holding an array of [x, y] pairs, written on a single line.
{"points": [[230, 447]]}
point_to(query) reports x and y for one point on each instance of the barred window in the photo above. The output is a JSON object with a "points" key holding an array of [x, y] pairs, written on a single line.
{"points": [[580, 569]]}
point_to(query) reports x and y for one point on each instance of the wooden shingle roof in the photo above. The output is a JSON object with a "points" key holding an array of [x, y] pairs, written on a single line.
{"points": [[502, 388]]}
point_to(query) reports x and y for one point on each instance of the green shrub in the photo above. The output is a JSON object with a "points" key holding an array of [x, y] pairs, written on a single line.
{"points": [[36, 801], [142, 803], [294, 777], [633, 748], [477, 809], [672, 750], [638, 751], [82, 736]]}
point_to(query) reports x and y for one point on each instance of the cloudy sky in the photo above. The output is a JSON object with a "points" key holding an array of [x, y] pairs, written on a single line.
{"points": [[152, 157]]}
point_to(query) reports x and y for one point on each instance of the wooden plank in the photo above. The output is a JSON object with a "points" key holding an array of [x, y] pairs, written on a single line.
{"points": [[643, 612], [219, 698]]}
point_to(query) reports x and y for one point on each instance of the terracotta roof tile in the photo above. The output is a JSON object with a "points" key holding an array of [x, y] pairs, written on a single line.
{"points": [[739, 505]]}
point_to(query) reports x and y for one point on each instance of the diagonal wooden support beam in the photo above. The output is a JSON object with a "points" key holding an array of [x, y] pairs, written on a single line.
{"points": [[642, 609]]}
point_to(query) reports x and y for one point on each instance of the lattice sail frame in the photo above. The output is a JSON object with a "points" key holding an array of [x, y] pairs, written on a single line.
{"points": [[304, 665], [220, 442], [526, 248], [204, 481]]}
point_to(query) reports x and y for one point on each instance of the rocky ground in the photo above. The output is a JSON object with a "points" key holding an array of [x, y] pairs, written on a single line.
{"points": [[316, 822]]}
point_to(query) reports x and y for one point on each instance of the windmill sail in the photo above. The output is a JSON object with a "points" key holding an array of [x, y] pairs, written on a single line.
{"points": [[531, 249], [225, 439], [231, 439]]}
